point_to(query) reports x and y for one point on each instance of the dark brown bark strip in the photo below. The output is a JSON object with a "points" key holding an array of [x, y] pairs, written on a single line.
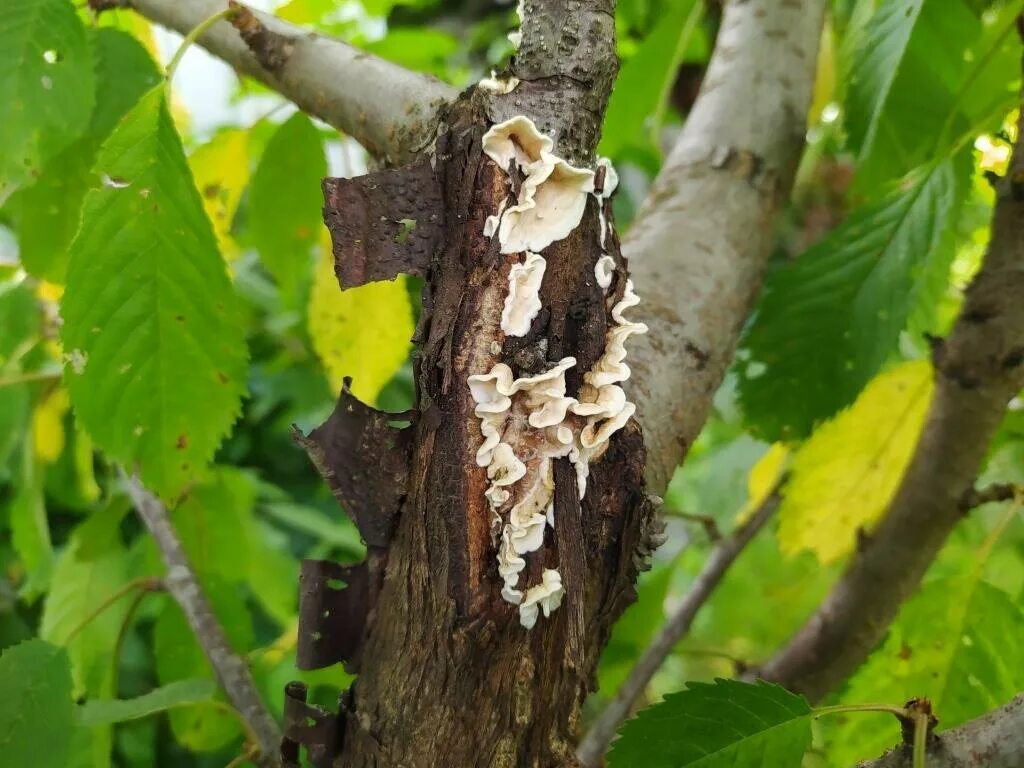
{"points": [[230, 668], [365, 461], [723, 555], [384, 224], [995, 740], [979, 369]]}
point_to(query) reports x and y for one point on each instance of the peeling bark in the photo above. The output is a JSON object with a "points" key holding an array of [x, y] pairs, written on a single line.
{"points": [[447, 673]]}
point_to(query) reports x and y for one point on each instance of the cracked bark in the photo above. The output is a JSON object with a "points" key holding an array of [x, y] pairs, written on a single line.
{"points": [[979, 368], [446, 672]]}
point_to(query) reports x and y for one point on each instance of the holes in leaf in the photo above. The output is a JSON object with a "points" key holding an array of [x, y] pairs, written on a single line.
{"points": [[51, 56]]}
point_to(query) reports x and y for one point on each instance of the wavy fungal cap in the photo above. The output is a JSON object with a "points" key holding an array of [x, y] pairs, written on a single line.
{"points": [[552, 196], [546, 596], [528, 422], [523, 301]]}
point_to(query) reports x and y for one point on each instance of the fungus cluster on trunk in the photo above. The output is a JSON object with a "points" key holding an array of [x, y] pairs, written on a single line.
{"points": [[529, 421]]}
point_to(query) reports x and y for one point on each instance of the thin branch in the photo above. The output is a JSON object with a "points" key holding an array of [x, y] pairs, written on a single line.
{"points": [[979, 369], [995, 740], [722, 556], [699, 245], [990, 493], [707, 522], [230, 668], [390, 110]]}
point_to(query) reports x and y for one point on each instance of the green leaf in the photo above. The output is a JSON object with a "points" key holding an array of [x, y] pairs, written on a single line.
{"points": [[213, 523], [363, 332], [285, 203], [957, 642], [48, 212], [273, 573], [151, 323], [883, 44], [934, 102], [35, 709], [91, 569], [843, 478], [828, 321], [637, 105], [337, 532], [726, 724], [30, 530], [181, 693], [19, 327], [46, 85]]}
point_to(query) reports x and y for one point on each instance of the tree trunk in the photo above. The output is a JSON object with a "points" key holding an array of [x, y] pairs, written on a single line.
{"points": [[448, 673]]}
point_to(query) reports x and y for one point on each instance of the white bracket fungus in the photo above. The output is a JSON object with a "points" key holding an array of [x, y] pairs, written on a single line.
{"points": [[529, 422], [552, 196], [546, 596], [499, 85], [523, 301]]}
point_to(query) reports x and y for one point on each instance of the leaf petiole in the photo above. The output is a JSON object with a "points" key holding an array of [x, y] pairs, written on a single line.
{"points": [[198, 31], [840, 708]]}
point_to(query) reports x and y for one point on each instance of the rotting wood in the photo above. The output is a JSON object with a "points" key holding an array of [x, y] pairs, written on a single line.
{"points": [[441, 648]]}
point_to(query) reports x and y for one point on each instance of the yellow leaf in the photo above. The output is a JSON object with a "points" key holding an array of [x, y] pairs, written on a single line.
{"points": [[846, 473], [221, 171], [48, 425], [763, 477], [361, 332]]}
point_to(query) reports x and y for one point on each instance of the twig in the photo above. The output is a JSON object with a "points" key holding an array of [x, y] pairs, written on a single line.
{"points": [[229, 667], [721, 558], [707, 522], [990, 493]]}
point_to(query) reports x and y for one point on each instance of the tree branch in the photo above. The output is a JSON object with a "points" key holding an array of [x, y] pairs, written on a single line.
{"points": [[995, 740], [391, 111], [979, 369], [722, 556], [698, 246], [230, 668]]}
